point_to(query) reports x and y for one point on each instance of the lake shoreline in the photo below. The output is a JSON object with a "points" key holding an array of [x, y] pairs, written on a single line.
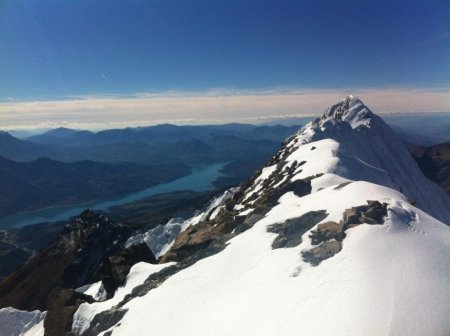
{"points": [[201, 178]]}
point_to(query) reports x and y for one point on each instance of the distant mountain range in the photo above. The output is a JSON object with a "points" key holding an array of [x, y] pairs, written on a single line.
{"points": [[149, 145], [424, 129], [65, 166], [245, 147], [27, 186], [160, 133]]}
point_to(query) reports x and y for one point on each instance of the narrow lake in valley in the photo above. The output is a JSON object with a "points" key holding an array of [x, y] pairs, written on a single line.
{"points": [[200, 179]]}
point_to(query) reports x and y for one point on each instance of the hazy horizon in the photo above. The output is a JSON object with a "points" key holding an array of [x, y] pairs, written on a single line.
{"points": [[104, 64]]}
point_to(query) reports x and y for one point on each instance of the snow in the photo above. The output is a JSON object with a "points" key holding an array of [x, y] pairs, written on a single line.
{"points": [[36, 330], [216, 212], [392, 279], [14, 322], [327, 180], [138, 274], [355, 151], [356, 114], [321, 160], [96, 290], [245, 212], [389, 279]]}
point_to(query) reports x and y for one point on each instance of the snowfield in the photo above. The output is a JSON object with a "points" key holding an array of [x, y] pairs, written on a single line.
{"points": [[137, 275], [388, 279]]}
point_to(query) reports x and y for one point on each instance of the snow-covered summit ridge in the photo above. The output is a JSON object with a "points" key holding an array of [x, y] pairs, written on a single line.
{"points": [[321, 240], [351, 110], [368, 150]]}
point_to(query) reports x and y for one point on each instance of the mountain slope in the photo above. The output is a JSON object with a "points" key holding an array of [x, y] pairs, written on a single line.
{"points": [[12, 147], [325, 239], [61, 135], [319, 241], [435, 163], [368, 150], [90, 248]]}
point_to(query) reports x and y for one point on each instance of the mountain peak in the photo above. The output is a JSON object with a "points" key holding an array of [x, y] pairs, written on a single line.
{"points": [[5, 134], [351, 110]]}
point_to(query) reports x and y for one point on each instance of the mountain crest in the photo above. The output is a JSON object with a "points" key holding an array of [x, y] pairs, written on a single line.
{"points": [[351, 110]]}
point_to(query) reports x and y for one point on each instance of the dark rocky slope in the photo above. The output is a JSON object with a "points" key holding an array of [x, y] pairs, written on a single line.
{"points": [[89, 248], [434, 162]]}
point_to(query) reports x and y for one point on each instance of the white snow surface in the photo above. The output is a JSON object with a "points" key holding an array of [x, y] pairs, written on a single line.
{"points": [[389, 279], [367, 149], [14, 322], [86, 312], [96, 290]]}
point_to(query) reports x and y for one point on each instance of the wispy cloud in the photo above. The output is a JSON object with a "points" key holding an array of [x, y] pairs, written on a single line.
{"points": [[210, 106], [434, 39]]}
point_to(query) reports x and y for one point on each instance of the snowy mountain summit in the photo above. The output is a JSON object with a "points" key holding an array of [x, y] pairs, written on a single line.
{"points": [[351, 110], [369, 150], [340, 233]]}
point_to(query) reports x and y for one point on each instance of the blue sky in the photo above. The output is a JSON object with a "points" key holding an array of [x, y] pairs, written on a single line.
{"points": [[54, 50]]}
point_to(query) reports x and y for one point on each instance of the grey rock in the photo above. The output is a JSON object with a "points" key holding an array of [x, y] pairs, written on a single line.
{"points": [[324, 251], [327, 231], [290, 232], [104, 321]]}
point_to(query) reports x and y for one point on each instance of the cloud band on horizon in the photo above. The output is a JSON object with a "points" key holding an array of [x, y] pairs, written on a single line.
{"points": [[209, 106]]}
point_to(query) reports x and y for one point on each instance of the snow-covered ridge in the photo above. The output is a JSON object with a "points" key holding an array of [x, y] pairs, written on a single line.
{"points": [[368, 150], [351, 110], [339, 234], [351, 143]]}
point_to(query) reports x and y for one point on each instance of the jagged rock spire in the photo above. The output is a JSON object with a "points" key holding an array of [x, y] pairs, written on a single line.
{"points": [[351, 110]]}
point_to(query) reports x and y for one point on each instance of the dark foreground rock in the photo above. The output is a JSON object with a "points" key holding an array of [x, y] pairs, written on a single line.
{"points": [[88, 249], [434, 162], [18, 245], [61, 306]]}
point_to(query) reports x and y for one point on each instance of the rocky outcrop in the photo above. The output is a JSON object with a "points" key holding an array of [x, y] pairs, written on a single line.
{"points": [[113, 270], [324, 251], [434, 162], [372, 213], [62, 303], [104, 321], [326, 231], [291, 231], [328, 237], [88, 249], [200, 236]]}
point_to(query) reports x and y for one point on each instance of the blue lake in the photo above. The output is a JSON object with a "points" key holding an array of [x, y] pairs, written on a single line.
{"points": [[199, 180]]}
